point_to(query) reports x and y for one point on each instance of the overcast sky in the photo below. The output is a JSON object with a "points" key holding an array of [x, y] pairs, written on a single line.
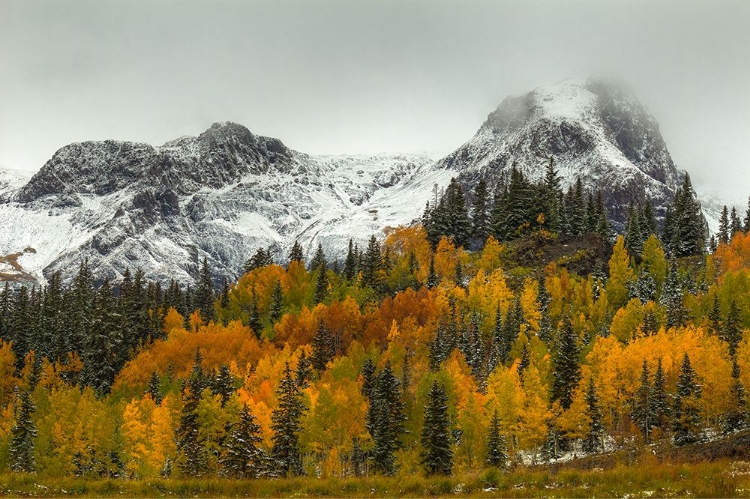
{"points": [[359, 76]]}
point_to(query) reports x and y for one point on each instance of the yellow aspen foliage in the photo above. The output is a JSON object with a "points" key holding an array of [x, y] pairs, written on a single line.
{"points": [[490, 256], [620, 276], [654, 261], [7, 373], [531, 313], [534, 412], [173, 320], [446, 258], [574, 423], [628, 320], [404, 241]]}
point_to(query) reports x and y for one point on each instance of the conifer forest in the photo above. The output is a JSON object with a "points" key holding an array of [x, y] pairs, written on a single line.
{"points": [[475, 342]]}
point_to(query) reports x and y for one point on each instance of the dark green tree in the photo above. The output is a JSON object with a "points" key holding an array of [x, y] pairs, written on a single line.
{"points": [[286, 426], [23, 433], [497, 448], [323, 348], [686, 412], [296, 254], [204, 294], [566, 369], [437, 452], [593, 441], [385, 420], [241, 455], [737, 417], [644, 413]]}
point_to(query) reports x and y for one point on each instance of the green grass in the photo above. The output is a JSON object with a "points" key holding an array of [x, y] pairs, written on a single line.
{"points": [[651, 479]]}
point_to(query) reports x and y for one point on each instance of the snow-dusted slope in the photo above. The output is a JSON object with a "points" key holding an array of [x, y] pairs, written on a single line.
{"points": [[220, 195], [596, 130]]}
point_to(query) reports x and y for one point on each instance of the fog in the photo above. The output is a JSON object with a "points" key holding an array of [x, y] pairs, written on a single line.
{"points": [[364, 76]]}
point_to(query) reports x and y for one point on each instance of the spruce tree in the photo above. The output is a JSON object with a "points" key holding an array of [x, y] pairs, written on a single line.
{"points": [[724, 226], [686, 412], [735, 224], [662, 408], [154, 388], [304, 371], [643, 413], [566, 370], [321, 283], [350, 264], [737, 417], [732, 332], [432, 279], [437, 453], [260, 259], [385, 420], [192, 453], [368, 378], [323, 348], [372, 264], [277, 303], [318, 260], [480, 220], [241, 457], [746, 224], [23, 433], [593, 441], [222, 384], [286, 426], [204, 294], [497, 449], [296, 254]]}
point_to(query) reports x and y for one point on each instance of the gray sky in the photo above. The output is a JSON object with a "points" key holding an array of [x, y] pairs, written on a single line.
{"points": [[364, 76]]}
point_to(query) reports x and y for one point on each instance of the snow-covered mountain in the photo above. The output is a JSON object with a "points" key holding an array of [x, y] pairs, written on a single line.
{"points": [[595, 128], [220, 195], [226, 193]]}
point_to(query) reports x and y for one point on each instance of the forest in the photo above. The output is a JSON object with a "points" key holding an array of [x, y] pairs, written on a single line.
{"points": [[434, 351]]}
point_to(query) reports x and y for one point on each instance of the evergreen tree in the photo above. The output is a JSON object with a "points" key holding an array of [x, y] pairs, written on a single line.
{"points": [[385, 420], [323, 349], [437, 453], [204, 294], [648, 219], [318, 260], [277, 303], [497, 449], [154, 388], [634, 236], [241, 456], [192, 453], [685, 228], [737, 417], [321, 283], [260, 259], [565, 364], [296, 254], [372, 264], [286, 426], [662, 408], [746, 224], [593, 441], [672, 297], [643, 413], [733, 328], [551, 197], [23, 433], [102, 346], [724, 226], [686, 413], [223, 384], [304, 371], [359, 458], [368, 378], [350, 264], [480, 220], [735, 224], [432, 279], [714, 317]]}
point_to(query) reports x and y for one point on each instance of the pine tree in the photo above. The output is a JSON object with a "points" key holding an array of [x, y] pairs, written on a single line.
{"points": [[359, 458], [323, 349], [437, 453], [103, 345], [318, 260], [662, 408], [385, 420], [23, 433], [432, 279], [304, 371], [737, 417], [686, 414], [733, 328], [746, 224], [192, 453], [593, 442], [497, 449], [372, 264], [154, 388], [566, 369], [480, 220], [277, 303], [714, 317], [551, 197], [204, 294], [672, 297], [648, 219], [223, 384], [350, 264], [241, 456], [685, 227], [296, 254], [321, 283], [260, 259], [724, 226], [735, 224], [368, 378], [643, 413], [634, 236], [286, 426]]}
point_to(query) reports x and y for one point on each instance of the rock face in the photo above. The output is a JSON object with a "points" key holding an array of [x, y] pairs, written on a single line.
{"points": [[227, 192], [220, 195], [594, 128]]}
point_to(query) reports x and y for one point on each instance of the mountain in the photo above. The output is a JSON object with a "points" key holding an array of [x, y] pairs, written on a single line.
{"points": [[220, 195], [595, 128], [227, 192]]}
